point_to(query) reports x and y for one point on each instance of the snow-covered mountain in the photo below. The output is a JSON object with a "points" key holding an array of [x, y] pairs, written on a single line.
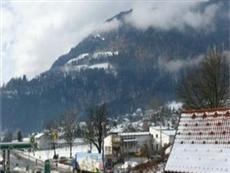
{"points": [[126, 67]]}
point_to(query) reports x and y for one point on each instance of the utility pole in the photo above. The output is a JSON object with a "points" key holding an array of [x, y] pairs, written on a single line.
{"points": [[8, 161], [161, 114], [4, 160]]}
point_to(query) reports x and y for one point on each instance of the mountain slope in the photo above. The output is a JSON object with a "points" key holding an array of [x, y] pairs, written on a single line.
{"points": [[125, 67]]}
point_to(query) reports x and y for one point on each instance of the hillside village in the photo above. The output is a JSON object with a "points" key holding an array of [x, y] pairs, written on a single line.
{"points": [[202, 134], [131, 141]]}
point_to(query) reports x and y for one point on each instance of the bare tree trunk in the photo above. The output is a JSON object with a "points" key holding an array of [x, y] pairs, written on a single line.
{"points": [[70, 150]]}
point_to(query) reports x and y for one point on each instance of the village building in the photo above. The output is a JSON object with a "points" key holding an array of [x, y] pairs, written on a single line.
{"points": [[120, 145], [112, 148], [43, 141], [135, 142], [162, 136], [202, 143]]}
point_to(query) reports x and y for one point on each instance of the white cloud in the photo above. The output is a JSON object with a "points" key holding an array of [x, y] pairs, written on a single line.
{"points": [[108, 26], [166, 15], [176, 65]]}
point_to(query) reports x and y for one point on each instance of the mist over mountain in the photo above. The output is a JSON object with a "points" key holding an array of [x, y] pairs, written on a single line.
{"points": [[132, 59]]}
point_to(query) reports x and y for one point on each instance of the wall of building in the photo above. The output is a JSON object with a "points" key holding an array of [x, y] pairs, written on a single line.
{"points": [[134, 143], [160, 138]]}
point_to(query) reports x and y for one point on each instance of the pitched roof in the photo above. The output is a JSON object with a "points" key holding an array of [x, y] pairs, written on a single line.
{"points": [[134, 134], [202, 142]]}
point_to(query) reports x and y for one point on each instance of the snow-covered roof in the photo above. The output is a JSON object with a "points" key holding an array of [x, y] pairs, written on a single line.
{"points": [[202, 143], [134, 134], [118, 129], [26, 139], [39, 135], [161, 128]]}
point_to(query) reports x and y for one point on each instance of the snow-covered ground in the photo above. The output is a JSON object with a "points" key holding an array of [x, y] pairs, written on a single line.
{"points": [[83, 61], [62, 152], [175, 105], [96, 55], [87, 161], [106, 66]]}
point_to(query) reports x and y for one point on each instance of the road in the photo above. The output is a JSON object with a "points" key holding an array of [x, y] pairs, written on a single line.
{"points": [[24, 162], [17, 159]]}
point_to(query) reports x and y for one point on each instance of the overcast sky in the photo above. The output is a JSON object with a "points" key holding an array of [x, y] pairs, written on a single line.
{"points": [[35, 34]]}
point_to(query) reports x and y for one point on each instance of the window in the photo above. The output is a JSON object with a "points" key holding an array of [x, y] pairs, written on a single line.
{"points": [[156, 135]]}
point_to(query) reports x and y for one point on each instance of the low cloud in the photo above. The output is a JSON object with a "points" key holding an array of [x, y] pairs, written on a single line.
{"points": [[174, 66], [108, 26], [172, 15]]}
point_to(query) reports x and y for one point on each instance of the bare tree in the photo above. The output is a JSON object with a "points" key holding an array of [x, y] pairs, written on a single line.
{"points": [[207, 86], [96, 126], [69, 124]]}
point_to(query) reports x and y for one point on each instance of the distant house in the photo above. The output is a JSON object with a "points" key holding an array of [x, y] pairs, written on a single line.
{"points": [[113, 147], [43, 141], [116, 146], [162, 136], [134, 142], [202, 143]]}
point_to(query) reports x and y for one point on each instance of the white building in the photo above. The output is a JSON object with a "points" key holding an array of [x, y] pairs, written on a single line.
{"points": [[116, 146], [134, 142], [43, 141], [112, 147], [162, 136]]}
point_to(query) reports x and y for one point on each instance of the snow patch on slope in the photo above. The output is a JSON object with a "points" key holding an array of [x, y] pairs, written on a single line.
{"points": [[104, 54], [96, 60], [96, 55], [78, 58]]}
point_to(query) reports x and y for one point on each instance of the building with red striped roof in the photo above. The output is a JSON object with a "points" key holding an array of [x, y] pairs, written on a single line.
{"points": [[202, 142]]}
